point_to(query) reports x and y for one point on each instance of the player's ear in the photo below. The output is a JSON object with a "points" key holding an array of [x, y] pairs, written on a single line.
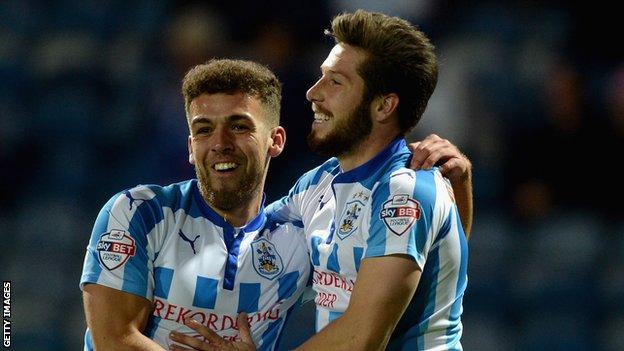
{"points": [[278, 140], [190, 150], [384, 107]]}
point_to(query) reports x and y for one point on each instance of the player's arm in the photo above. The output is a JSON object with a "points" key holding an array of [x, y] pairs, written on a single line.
{"points": [[117, 319], [116, 295], [462, 189], [382, 292], [367, 324], [454, 165]]}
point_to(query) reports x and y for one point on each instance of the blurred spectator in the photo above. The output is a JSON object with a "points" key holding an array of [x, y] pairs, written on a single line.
{"points": [[547, 165], [613, 137]]}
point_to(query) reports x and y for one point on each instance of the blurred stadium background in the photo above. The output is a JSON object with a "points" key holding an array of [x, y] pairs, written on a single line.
{"points": [[533, 92]]}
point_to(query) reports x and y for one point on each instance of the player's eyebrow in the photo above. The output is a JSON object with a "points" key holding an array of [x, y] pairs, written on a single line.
{"points": [[197, 120], [231, 118], [325, 70], [334, 72], [239, 117]]}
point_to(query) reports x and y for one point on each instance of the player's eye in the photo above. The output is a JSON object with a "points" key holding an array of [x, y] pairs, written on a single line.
{"points": [[203, 130], [238, 127]]}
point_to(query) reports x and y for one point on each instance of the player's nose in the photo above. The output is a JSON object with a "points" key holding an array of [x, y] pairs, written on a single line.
{"points": [[314, 93], [222, 140]]}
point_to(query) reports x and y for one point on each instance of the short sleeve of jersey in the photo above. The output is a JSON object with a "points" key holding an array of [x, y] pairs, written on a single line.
{"points": [[295, 206], [404, 216], [284, 210], [118, 255]]}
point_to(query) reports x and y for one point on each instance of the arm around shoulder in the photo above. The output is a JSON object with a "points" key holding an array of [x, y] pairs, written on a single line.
{"points": [[117, 319], [462, 189], [454, 165], [382, 292]]}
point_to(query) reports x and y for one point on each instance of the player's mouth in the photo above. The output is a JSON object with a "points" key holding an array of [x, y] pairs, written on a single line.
{"points": [[321, 118], [224, 167]]}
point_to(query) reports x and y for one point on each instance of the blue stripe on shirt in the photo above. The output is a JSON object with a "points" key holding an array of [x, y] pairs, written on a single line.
{"points": [[270, 335], [232, 243], [425, 194], [248, 297], [357, 256], [313, 176], [152, 326], [334, 315], [406, 335], [162, 281], [430, 274], [314, 255], [444, 230], [287, 285], [205, 292], [88, 340], [462, 281], [146, 216], [376, 242], [332, 260]]}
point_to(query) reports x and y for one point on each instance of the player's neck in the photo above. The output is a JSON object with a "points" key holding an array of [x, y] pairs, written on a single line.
{"points": [[240, 215], [366, 150]]}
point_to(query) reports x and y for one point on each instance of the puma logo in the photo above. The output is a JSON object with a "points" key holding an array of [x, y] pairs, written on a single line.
{"points": [[191, 242]]}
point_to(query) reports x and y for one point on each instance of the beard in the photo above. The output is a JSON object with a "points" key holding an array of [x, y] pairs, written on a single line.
{"points": [[347, 134], [231, 194]]}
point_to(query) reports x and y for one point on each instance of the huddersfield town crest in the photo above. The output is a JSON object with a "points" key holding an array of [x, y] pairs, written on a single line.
{"points": [[400, 213], [267, 262], [348, 219], [115, 248]]}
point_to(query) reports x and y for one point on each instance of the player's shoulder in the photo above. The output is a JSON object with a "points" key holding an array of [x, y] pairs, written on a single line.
{"points": [[153, 194], [314, 176], [274, 227], [402, 180], [288, 235], [175, 190]]}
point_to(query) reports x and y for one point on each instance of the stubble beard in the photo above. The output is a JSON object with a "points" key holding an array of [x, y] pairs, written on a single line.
{"points": [[230, 197], [346, 136]]}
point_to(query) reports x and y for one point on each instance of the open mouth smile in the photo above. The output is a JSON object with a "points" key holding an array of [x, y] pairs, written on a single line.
{"points": [[224, 166], [320, 118]]}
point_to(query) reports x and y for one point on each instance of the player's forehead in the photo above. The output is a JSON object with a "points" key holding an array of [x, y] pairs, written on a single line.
{"points": [[223, 105], [343, 59]]}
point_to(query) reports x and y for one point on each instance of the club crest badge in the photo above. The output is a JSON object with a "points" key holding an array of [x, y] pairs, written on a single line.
{"points": [[348, 219], [115, 248], [266, 260], [400, 213]]}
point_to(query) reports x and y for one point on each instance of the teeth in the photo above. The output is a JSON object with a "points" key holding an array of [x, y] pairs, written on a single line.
{"points": [[321, 117], [224, 166]]}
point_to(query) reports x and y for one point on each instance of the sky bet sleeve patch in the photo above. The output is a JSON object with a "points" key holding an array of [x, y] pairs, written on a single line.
{"points": [[400, 213], [115, 248]]}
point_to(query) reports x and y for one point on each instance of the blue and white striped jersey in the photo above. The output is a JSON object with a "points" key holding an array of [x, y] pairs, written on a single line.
{"points": [[382, 208], [167, 245]]}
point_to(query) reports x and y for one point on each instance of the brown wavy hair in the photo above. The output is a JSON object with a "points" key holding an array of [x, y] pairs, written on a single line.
{"points": [[400, 59], [233, 76]]}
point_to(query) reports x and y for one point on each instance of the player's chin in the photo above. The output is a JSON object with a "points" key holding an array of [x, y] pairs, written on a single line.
{"points": [[316, 137], [228, 175], [321, 129]]}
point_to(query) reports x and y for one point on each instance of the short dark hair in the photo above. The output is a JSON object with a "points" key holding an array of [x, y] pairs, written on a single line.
{"points": [[400, 59], [233, 76]]}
